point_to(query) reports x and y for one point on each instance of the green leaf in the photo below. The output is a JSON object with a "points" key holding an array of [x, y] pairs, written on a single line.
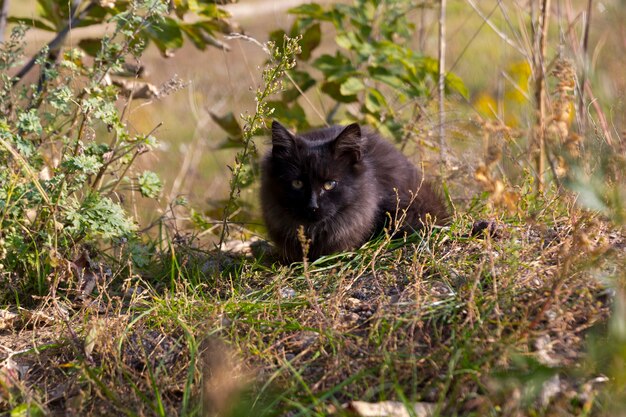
{"points": [[57, 12], [310, 40], [61, 98], [166, 35], [86, 164], [140, 253], [334, 67], [430, 66], [212, 26], [351, 86], [98, 216], [385, 76], [291, 115], [312, 10], [27, 410], [212, 11], [29, 122], [278, 36], [194, 33], [375, 101], [351, 41], [150, 185], [96, 16], [230, 143], [181, 7], [229, 123], [343, 41], [25, 147], [91, 46], [332, 89], [454, 82], [48, 11]]}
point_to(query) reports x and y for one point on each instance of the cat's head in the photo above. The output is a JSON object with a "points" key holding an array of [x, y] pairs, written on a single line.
{"points": [[316, 175]]}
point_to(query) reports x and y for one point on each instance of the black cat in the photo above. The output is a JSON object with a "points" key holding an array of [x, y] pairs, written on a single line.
{"points": [[341, 184]]}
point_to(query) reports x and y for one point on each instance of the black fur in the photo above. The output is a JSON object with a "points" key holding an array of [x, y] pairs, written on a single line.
{"points": [[372, 178]]}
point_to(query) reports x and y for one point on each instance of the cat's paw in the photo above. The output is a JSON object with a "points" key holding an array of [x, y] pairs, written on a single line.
{"points": [[486, 227]]}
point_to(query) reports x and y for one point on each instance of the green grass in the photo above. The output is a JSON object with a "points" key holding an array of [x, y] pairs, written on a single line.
{"points": [[442, 319]]}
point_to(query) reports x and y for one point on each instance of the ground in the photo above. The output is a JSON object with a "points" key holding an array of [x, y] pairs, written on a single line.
{"points": [[466, 324]]}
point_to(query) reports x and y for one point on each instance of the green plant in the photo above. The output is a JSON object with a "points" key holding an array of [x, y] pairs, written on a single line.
{"points": [[167, 33], [373, 78], [68, 153], [281, 60], [374, 70]]}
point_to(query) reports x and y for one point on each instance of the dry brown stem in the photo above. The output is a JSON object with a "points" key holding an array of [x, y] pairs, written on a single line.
{"points": [[442, 80], [538, 146]]}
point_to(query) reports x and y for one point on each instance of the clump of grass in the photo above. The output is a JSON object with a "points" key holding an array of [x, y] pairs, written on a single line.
{"points": [[467, 324]]}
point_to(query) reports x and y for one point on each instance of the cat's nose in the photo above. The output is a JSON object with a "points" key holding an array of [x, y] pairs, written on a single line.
{"points": [[313, 203]]}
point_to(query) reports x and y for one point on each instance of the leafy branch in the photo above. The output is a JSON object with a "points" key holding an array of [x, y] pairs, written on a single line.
{"points": [[56, 42], [281, 60], [4, 13]]}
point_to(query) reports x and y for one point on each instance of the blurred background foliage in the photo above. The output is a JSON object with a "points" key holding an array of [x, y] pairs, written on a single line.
{"points": [[367, 61]]}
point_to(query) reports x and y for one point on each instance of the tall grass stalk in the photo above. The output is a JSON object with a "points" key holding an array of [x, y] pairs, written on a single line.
{"points": [[281, 60], [442, 82], [540, 34]]}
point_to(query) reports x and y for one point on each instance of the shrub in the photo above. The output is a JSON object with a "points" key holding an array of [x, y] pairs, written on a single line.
{"points": [[67, 152]]}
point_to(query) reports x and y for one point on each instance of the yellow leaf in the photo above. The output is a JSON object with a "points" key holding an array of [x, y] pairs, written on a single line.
{"points": [[486, 105]]}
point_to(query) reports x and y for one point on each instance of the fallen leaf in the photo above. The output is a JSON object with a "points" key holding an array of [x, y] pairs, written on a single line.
{"points": [[138, 89], [6, 319], [390, 409]]}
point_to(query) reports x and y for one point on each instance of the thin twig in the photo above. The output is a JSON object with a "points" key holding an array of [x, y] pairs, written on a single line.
{"points": [[495, 28], [608, 137], [34, 178], [317, 112], [54, 43], [583, 77], [602, 119], [331, 114], [540, 91], [516, 34], [273, 72], [51, 60], [470, 42], [442, 81], [4, 14], [123, 175]]}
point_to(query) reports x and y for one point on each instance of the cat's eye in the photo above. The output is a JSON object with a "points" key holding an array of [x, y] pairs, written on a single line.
{"points": [[297, 184], [329, 185]]}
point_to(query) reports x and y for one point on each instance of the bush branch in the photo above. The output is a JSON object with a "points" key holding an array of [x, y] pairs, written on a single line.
{"points": [[54, 43], [442, 81], [4, 14]]}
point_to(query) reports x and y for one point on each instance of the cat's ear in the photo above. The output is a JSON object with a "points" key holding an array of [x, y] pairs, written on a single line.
{"points": [[348, 143], [283, 141]]}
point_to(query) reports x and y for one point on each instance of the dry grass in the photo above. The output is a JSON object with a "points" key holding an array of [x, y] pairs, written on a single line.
{"points": [[435, 319]]}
